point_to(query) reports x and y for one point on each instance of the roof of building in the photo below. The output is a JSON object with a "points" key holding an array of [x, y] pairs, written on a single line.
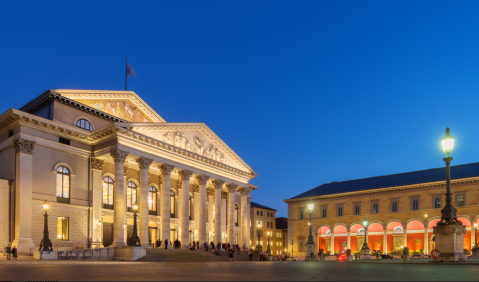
{"points": [[393, 180], [256, 205], [281, 223]]}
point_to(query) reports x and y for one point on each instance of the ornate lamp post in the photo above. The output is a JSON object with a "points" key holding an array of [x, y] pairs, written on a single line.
{"points": [[134, 240], [365, 249], [46, 244], [449, 232], [475, 249], [268, 250], [310, 245], [258, 247]]}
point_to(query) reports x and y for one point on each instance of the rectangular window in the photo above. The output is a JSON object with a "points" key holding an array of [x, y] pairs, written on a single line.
{"points": [[62, 228], [261, 213], [267, 214], [257, 212]]}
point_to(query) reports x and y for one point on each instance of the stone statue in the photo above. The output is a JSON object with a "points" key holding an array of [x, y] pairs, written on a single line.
{"points": [[213, 154], [199, 145], [218, 155], [222, 159], [183, 142], [208, 153], [167, 138], [177, 139], [188, 146]]}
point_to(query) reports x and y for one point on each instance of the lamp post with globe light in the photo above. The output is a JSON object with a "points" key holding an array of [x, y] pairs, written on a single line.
{"points": [[310, 245], [258, 246], [46, 242], [134, 240], [475, 249], [365, 249], [268, 249]]}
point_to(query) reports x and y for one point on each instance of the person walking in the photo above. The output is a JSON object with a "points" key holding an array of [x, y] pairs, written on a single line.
{"points": [[231, 255], [14, 253], [8, 250], [250, 255], [166, 244]]}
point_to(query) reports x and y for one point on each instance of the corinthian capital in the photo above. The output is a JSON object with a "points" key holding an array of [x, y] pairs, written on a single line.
{"points": [[224, 195], [196, 188], [23, 146], [144, 163], [244, 191], [118, 156], [210, 192], [185, 174], [166, 169], [217, 183], [231, 187], [96, 164], [202, 179]]}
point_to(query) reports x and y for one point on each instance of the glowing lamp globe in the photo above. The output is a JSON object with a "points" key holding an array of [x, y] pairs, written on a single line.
{"points": [[310, 207], [447, 142], [475, 224], [46, 205], [365, 222], [135, 207]]}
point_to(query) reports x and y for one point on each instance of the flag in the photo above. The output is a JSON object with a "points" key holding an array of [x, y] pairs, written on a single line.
{"points": [[129, 70]]}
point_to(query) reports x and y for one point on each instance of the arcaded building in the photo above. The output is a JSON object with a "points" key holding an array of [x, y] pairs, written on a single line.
{"points": [[400, 210], [93, 154]]}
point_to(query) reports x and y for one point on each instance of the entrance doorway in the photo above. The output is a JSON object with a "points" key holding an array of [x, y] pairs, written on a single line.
{"points": [[107, 234], [152, 231]]}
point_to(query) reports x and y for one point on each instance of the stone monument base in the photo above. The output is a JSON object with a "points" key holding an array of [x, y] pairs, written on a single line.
{"points": [[310, 246], [475, 252], [364, 253], [449, 239]]}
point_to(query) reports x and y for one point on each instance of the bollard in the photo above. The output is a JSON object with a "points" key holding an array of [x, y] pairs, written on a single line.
{"points": [[321, 256], [348, 255], [405, 254]]}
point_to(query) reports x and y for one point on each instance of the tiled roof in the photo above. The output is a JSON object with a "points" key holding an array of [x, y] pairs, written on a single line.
{"points": [[256, 205], [393, 180]]}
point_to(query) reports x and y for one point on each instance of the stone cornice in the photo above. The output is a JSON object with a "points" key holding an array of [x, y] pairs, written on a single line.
{"points": [[388, 191]]}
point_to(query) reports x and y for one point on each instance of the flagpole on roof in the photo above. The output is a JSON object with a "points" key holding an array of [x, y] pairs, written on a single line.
{"points": [[126, 73]]}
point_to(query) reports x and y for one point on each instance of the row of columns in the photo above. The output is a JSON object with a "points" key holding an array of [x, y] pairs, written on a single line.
{"points": [[183, 196]]}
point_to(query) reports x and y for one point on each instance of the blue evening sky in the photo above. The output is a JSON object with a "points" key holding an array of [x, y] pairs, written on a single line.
{"points": [[305, 92]]}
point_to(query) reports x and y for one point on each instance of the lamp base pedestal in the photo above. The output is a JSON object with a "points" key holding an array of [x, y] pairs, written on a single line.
{"points": [[475, 252], [310, 246], [365, 253], [449, 239]]}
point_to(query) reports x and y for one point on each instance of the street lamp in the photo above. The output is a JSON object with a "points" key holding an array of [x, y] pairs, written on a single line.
{"points": [[310, 245], [46, 242], [268, 250], [365, 248], [134, 240], [448, 213], [258, 247]]}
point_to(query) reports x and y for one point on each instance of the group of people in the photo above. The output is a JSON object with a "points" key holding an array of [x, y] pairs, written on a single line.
{"points": [[11, 252]]}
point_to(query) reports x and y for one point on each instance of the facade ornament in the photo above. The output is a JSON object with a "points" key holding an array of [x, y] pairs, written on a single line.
{"points": [[178, 140], [125, 170], [144, 163], [222, 159], [210, 192], [231, 187], [244, 191], [208, 153], [218, 184], [249, 201], [224, 195], [213, 154], [199, 145], [118, 156], [202, 179], [183, 142], [188, 146], [218, 155], [160, 180], [96, 164], [23, 146], [166, 169], [446, 230], [185, 174], [167, 138], [196, 188], [179, 184]]}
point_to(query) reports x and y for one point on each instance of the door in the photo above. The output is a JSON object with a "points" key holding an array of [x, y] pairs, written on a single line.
{"points": [[107, 234], [152, 235]]}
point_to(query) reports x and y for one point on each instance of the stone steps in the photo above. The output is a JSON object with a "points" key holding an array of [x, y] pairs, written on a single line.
{"points": [[187, 255]]}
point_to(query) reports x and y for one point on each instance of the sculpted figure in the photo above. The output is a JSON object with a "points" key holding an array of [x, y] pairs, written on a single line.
{"points": [[218, 155], [188, 146], [208, 153], [183, 142], [177, 139], [167, 138], [222, 159], [213, 154], [199, 145]]}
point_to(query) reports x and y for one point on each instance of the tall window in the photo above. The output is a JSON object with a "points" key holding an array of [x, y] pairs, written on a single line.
{"points": [[437, 203], [267, 224], [415, 205], [130, 194], [107, 192], [394, 207], [301, 215], [340, 211], [356, 210], [189, 207], [63, 183], [85, 124], [152, 193], [324, 213], [375, 208], [172, 204], [460, 201], [62, 228], [236, 215]]}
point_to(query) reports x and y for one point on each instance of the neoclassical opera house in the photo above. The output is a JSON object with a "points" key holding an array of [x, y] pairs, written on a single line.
{"points": [[93, 154]]}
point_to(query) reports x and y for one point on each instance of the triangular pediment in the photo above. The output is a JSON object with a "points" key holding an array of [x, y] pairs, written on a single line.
{"points": [[126, 105], [194, 137]]}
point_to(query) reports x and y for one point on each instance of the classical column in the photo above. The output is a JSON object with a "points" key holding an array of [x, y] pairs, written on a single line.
{"points": [[332, 243], [348, 243], [201, 216], [165, 202], [211, 200], [143, 211], [385, 242], [119, 201], [125, 185], [218, 184], [231, 188], [97, 201], [426, 241], [196, 211], [224, 196], [245, 232], [405, 238], [23, 195], [184, 219]]}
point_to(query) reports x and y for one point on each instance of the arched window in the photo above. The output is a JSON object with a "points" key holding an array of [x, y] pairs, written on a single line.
{"points": [[437, 203], [328, 232], [130, 194], [189, 206], [236, 215], [324, 213], [361, 230], [375, 208], [172, 204], [460, 201], [340, 211], [85, 124], [152, 193], [301, 215], [108, 192], [63, 184], [415, 205], [394, 207], [356, 210]]}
